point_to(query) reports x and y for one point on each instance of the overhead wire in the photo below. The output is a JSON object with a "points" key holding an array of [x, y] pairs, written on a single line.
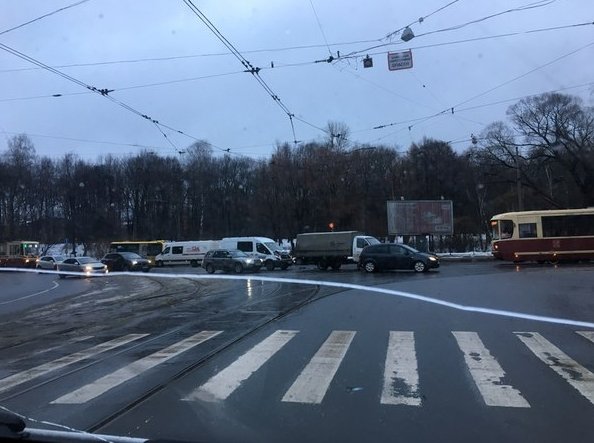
{"points": [[537, 4], [320, 26], [127, 88], [181, 57], [43, 16], [420, 20], [452, 109], [83, 140], [249, 68], [103, 92]]}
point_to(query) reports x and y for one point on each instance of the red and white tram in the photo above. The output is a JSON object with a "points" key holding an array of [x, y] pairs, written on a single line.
{"points": [[554, 235]]}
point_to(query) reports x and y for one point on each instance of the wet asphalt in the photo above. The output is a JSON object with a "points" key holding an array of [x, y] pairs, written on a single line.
{"points": [[83, 313]]}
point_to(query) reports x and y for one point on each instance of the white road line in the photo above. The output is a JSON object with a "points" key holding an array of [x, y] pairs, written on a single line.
{"points": [[587, 334], [574, 373], [487, 374], [222, 385], [52, 348], [314, 380], [401, 374], [30, 374], [56, 284], [110, 381], [332, 284]]}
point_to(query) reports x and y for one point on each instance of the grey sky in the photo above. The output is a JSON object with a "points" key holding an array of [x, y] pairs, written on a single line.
{"points": [[233, 112]]}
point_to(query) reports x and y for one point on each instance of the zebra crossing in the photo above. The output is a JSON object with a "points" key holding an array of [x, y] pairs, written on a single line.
{"points": [[401, 382]]}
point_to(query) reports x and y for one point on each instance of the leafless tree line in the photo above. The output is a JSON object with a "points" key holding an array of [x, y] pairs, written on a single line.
{"points": [[542, 158]]}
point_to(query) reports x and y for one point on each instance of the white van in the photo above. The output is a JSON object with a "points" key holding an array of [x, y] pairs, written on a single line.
{"points": [[185, 252], [264, 248]]}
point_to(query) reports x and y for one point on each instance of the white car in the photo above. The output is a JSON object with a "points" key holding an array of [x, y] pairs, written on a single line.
{"points": [[50, 262], [83, 265]]}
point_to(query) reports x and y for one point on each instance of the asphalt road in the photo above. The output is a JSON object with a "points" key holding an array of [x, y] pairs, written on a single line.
{"points": [[214, 360]]}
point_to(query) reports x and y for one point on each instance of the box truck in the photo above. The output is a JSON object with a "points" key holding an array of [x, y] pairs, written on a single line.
{"points": [[330, 249]]}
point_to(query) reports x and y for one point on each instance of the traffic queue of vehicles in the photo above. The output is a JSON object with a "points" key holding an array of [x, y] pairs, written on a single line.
{"points": [[239, 254]]}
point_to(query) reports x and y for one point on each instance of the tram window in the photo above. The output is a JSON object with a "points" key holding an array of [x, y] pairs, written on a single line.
{"points": [[507, 229], [527, 230], [568, 225]]}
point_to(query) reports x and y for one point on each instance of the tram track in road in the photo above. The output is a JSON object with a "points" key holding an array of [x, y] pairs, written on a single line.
{"points": [[255, 295], [191, 367]]}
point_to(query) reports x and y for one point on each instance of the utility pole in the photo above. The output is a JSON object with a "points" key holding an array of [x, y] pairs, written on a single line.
{"points": [[519, 182]]}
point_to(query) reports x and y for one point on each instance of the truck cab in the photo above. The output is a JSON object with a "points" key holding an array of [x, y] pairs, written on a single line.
{"points": [[360, 242]]}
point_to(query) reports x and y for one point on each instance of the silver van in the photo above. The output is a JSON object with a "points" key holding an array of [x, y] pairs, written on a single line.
{"points": [[264, 248]]}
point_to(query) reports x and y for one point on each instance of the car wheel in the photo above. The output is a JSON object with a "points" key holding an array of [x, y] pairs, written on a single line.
{"points": [[335, 266], [370, 266], [147, 269], [322, 265], [159, 263], [61, 276], [270, 265], [210, 269], [284, 266], [125, 268], [419, 266], [193, 263], [238, 268]]}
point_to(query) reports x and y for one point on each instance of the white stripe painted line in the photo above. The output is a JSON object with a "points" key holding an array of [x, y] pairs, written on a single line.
{"points": [[574, 373], [314, 380], [110, 381], [401, 374], [38, 371], [222, 385], [53, 348], [56, 284], [487, 374], [376, 289], [587, 334]]}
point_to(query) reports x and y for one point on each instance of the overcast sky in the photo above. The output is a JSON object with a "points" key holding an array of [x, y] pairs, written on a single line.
{"points": [[232, 111]]}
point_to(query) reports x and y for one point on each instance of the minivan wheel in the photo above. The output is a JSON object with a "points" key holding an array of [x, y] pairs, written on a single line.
{"points": [[194, 263], [210, 269], [419, 266], [238, 268], [159, 263], [369, 266], [270, 265]]}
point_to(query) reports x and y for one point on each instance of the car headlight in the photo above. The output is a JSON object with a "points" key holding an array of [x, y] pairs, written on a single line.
{"points": [[88, 268], [134, 262], [150, 262], [433, 258], [249, 261]]}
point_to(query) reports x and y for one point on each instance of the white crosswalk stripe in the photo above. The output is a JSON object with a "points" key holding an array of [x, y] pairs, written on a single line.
{"points": [[574, 373], [401, 380], [314, 380], [110, 381], [220, 386], [401, 374], [587, 334], [30, 374], [486, 372]]}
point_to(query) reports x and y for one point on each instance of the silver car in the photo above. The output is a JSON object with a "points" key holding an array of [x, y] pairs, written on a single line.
{"points": [[84, 265], [50, 262], [230, 260]]}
